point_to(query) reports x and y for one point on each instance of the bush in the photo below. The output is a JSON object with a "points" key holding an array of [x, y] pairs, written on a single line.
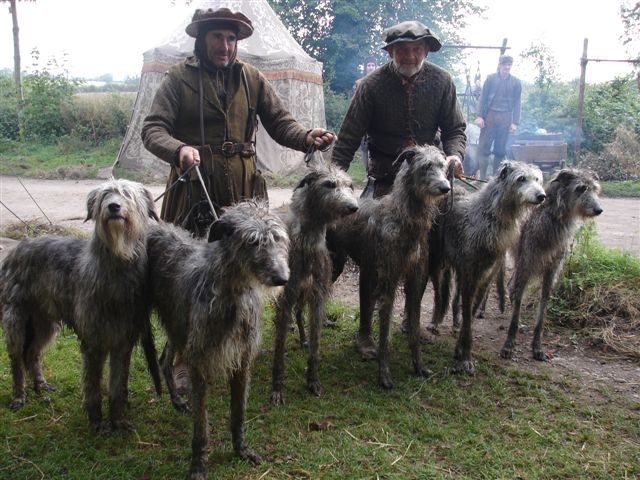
{"points": [[618, 160], [9, 127], [96, 118], [335, 107]]}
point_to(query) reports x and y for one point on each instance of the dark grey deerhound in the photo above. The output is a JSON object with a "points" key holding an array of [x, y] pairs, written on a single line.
{"points": [[572, 195], [323, 196], [209, 297], [477, 232], [97, 287], [386, 239]]}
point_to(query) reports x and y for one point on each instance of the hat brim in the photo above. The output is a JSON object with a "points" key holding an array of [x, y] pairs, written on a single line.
{"points": [[244, 29], [433, 42]]}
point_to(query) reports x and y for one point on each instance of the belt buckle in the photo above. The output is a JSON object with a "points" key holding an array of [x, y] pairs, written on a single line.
{"points": [[227, 149]]}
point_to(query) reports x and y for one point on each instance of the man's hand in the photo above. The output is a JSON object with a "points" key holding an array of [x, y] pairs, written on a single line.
{"points": [[187, 156], [458, 169], [512, 128], [319, 137], [479, 122]]}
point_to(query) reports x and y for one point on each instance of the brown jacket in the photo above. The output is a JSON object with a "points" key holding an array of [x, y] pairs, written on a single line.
{"points": [[174, 120]]}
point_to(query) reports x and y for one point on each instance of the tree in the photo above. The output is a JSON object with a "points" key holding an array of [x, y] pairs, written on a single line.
{"points": [[630, 15], [341, 33]]}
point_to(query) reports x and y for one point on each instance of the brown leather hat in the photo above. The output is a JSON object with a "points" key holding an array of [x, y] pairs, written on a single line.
{"points": [[223, 17], [411, 31]]}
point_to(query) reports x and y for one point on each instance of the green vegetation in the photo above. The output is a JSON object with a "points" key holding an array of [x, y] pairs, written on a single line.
{"points": [[503, 422], [599, 295]]}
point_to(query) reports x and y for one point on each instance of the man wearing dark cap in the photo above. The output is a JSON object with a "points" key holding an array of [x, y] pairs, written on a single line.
{"points": [[498, 114], [204, 112], [408, 101]]}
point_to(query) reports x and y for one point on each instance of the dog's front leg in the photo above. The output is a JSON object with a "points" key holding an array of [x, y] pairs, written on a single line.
{"points": [[464, 362], [414, 289], [119, 364], [317, 316], [93, 364], [239, 383], [200, 438], [364, 343], [386, 307], [283, 317]]}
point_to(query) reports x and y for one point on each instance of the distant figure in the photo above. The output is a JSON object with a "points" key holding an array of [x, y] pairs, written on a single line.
{"points": [[498, 114], [369, 66]]}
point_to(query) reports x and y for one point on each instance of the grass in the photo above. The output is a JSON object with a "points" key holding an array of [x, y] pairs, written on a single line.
{"points": [[628, 188], [502, 422]]}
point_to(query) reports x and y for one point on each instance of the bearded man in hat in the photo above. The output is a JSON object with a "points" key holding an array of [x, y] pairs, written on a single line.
{"points": [[498, 114], [204, 113], [408, 101]]}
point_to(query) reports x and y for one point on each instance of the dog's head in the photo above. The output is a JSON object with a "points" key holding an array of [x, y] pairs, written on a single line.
{"points": [[121, 210], [422, 174], [575, 191]]}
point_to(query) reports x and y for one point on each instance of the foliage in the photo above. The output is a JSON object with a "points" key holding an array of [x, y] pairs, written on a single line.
{"points": [[630, 16], [8, 109], [335, 108], [599, 294], [499, 423], [608, 105], [96, 118], [48, 92], [623, 189], [618, 160], [342, 33]]}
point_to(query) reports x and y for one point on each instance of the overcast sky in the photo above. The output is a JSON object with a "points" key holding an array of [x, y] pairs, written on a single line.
{"points": [[111, 36]]}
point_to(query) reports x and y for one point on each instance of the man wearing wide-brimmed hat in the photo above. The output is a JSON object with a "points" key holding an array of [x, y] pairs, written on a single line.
{"points": [[204, 112], [498, 114], [408, 101]]}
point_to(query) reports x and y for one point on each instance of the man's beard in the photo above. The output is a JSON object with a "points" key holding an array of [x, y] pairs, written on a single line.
{"points": [[408, 71]]}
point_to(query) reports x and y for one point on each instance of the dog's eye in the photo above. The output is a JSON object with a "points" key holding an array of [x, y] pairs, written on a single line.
{"points": [[329, 184], [581, 188], [522, 178]]}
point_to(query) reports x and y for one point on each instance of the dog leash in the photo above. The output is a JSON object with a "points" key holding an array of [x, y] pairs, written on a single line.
{"points": [[181, 178], [206, 193]]}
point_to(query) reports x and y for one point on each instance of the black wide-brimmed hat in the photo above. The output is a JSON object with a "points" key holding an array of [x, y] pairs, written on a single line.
{"points": [[221, 18], [411, 31]]}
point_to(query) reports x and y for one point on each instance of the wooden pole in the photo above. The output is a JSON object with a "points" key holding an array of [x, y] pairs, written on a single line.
{"points": [[579, 116]]}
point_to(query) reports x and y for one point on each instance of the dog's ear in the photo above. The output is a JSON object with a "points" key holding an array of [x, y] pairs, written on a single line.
{"points": [[151, 207], [406, 155], [505, 168], [91, 203], [564, 176], [219, 230], [308, 179]]}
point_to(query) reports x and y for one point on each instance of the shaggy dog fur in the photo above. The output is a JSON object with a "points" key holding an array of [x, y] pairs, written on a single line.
{"points": [[97, 287], [323, 196], [386, 238], [572, 196], [477, 232], [209, 297]]}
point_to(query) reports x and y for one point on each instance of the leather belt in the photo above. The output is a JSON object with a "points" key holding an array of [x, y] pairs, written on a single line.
{"points": [[229, 149]]}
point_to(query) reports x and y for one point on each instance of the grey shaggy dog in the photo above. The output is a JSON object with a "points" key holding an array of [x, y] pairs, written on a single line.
{"points": [[386, 239], [98, 287], [572, 196], [323, 196], [209, 297], [476, 234]]}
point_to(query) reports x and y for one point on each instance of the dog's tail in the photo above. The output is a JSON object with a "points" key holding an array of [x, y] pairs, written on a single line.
{"points": [[151, 355]]}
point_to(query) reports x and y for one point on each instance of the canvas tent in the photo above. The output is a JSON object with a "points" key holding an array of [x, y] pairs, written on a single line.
{"points": [[296, 77]]}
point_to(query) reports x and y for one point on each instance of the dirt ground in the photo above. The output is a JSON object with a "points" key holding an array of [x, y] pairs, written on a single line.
{"points": [[64, 202]]}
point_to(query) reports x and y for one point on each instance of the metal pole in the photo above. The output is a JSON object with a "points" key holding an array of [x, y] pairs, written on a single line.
{"points": [[579, 116]]}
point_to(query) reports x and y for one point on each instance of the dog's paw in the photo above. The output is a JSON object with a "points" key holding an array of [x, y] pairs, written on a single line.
{"points": [[506, 353], [384, 380], [366, 348], [43, 386], [277, 398], [422, 371], [121, 425], [540, 355], [249, 455], [17, 402], [180, 404], [464, 366], [314, 387]]}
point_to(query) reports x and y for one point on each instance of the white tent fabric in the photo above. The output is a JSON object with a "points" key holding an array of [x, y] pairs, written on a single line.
{"points": [[296, 77]]}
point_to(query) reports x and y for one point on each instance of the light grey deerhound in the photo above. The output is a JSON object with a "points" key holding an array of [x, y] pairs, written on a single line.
{"points": [[98, 287], [323, 196], [572, 195], [477, 232], [386, 239], [209, 297]]}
